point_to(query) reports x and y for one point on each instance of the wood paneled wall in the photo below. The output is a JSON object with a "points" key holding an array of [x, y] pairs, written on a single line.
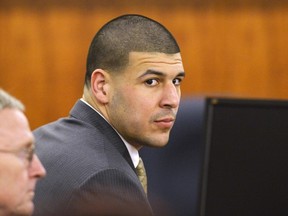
{"points": [[238, 48]]}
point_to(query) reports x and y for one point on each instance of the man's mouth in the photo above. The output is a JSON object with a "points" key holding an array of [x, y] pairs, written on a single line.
{"points": [[166, 122]]}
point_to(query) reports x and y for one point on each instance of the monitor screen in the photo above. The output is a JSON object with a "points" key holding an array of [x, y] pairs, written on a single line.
{"points": [[245, 162]]}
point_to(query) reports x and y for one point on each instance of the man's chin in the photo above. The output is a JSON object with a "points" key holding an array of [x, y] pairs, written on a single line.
{"points": [[160, 143], [25, 210]]}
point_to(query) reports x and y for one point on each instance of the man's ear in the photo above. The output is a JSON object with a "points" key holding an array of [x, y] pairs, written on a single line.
{"points": [[100, 85]]}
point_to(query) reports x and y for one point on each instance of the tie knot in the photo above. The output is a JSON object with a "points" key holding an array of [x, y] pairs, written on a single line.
{"points": [[141, 173]]}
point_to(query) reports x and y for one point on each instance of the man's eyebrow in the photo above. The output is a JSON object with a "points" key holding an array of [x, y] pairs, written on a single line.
{"points": [[182, 74], [159, 73]]}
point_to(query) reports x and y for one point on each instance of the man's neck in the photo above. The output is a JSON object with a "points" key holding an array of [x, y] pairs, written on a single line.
{"points": [[133, 152]]}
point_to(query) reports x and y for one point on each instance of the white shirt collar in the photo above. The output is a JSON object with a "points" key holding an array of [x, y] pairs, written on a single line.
{"points": [[134, 154]]}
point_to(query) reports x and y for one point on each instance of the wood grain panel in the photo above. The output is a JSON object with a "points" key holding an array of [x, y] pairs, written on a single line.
{"points": [[237, 51]]}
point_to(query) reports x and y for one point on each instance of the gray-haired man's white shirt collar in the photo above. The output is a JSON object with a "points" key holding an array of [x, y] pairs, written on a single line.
{"points": [[134, 154]]}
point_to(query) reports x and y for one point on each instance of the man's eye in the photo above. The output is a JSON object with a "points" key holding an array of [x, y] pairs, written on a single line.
{"points": [[151, 82], [177, 81]]}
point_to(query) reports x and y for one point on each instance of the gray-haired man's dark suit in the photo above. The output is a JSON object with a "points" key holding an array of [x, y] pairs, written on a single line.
{"points": [[89, 170]]}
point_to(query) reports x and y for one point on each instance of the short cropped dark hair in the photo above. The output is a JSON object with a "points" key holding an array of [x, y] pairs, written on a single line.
{"points": [[110, 48]]}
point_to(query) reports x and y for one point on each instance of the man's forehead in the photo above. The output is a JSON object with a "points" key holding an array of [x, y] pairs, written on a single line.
{"points": [[134, 54], [15, 139], [14, 129], [155, 58], [13, 115]]}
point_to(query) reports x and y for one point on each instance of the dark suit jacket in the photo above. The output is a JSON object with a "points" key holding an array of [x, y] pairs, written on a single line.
{"points": [[89, 169]]}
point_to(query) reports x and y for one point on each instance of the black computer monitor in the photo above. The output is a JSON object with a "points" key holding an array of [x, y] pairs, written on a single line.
{"points": [[245, 160]]}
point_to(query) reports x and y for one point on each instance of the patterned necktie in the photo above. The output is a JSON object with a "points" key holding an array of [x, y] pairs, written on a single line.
{"points": [[140, 169]]}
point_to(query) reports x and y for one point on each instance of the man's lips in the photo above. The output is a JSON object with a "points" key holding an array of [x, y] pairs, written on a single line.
{"points": [[166, 122]]}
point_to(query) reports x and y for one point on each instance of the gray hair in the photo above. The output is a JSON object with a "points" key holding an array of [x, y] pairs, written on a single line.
{"points": [[8, 101]]}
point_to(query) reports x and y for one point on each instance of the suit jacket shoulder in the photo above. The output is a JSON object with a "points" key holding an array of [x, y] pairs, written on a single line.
{"points": [[85, 160]]}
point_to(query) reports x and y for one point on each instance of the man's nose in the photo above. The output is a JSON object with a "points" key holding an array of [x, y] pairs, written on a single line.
{"points": [[171, 96], [36, 169]]}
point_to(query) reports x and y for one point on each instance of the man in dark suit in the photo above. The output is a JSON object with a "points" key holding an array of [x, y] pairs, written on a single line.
{"points": [[131, 97]]}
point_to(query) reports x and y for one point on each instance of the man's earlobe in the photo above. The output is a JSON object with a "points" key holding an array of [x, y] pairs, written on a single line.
{"points": [[99, 84]]}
